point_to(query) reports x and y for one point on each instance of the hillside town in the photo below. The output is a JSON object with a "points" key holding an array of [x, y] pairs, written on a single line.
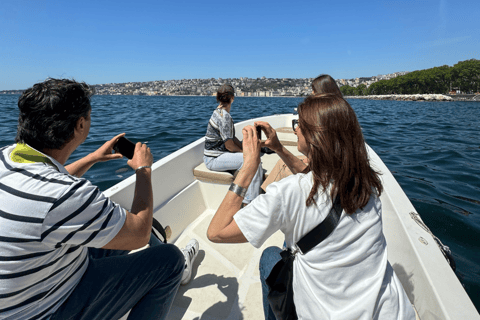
{"points": [[244, 86]]}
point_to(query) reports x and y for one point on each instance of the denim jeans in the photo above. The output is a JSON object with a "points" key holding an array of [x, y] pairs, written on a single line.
{"points": [[270, 257], [234, 161], [115, 282]]}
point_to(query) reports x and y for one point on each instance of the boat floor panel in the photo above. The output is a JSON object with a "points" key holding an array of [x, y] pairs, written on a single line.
{"points": [[225, 278]]}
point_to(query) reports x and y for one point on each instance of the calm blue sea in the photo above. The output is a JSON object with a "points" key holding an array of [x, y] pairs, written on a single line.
{"points": [[432, 149]]}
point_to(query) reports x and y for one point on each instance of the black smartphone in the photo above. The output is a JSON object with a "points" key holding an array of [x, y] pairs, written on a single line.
{"points": [[259, 132], [125, 147]]}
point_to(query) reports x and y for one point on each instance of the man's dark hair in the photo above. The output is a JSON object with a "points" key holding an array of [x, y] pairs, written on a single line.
{"points": [[49, 112]]}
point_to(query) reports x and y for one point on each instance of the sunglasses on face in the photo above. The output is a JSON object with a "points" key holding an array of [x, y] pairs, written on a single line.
{"points": [[294, 124]]}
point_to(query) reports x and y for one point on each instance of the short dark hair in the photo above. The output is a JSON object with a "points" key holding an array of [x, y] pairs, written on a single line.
{"points": [[225, 93], [325, 84], [49, 112]]}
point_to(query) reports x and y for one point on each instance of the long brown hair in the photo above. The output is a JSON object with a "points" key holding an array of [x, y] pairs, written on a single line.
{"points": [[337, 151]]}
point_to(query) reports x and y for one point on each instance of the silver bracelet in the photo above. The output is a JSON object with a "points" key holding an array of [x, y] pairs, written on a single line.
{"points": [[235, 188], [141, 167]]}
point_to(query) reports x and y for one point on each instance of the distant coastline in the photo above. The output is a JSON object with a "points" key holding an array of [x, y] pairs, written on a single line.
{"points": [[457, 83], [394, 97], [420, 97]]}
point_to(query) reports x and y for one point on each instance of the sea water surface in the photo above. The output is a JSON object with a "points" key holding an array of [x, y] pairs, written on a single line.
{"points": [[432, 149]]}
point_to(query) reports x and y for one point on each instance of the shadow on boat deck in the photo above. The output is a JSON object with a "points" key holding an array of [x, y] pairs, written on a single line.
{"points": [[228, 287]]}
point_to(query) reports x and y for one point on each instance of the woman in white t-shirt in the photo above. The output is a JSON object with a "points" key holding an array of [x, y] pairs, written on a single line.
{"points": [[347, 276]]}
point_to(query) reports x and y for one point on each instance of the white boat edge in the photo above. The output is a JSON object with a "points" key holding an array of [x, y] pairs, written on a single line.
{"points": [[431, 285]]}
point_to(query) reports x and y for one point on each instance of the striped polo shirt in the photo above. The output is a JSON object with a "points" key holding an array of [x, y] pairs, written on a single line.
{"points": [[48, 219]]}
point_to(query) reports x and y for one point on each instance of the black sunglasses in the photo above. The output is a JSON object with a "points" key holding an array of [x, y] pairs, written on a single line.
{"points": [[294, 124]]}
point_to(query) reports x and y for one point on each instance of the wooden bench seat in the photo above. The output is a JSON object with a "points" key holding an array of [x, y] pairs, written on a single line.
{"points": [[286, 137], [268, 162]]}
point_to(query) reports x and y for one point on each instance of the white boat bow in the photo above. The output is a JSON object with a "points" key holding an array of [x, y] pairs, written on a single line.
{"points": [[225, 282]]}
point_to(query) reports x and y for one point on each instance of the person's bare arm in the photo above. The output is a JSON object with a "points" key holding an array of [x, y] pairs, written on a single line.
{"points": [[137, 228], [223, 227], [294, 164], [104, 153], [238, 142], [232, 146]]}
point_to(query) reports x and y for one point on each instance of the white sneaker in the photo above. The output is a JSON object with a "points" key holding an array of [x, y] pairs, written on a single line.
{"points": [[190, 252]]}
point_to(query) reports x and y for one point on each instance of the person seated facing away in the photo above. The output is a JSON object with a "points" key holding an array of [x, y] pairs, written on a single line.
{"points": [[63, 244], [346, 276], [223, 151]]}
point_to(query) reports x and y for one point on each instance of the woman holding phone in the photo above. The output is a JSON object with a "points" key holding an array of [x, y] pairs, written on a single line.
{"points": [[322, 84], [223, 151]]}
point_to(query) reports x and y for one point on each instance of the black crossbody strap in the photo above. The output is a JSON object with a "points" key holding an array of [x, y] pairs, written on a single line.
{"points": [[323, 230], [158, 226]]}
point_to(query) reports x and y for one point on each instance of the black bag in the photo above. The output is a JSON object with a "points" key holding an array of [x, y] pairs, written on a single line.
{"points": [[280, 279]]}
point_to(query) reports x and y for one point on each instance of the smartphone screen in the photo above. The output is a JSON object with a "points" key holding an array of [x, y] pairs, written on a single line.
{"points": [[259, 133], [125, 147]]}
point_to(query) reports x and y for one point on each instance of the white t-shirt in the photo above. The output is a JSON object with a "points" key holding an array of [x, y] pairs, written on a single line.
{"points": [[347, 276]]}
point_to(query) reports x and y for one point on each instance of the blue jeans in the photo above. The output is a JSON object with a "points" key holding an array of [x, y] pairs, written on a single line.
{"points": [[234, 161], [270, 257], [115, 282]]}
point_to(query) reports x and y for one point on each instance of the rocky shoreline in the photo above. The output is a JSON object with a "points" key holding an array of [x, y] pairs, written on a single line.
{"points": [[418, 97]]}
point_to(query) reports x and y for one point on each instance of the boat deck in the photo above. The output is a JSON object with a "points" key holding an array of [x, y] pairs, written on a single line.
{"points": [[225, 278]]}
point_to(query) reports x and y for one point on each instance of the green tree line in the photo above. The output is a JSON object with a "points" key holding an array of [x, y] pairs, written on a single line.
{"points": [[464, 76]]}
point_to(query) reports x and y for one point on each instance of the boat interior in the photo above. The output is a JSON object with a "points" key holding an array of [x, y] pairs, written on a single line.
{"points": [[225, 283], [225, 278]]}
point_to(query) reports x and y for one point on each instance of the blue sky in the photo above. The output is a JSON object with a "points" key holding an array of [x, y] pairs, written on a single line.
{"points": [[122, 41]]}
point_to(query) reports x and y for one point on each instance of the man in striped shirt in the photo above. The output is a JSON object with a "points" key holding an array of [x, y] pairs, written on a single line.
{"points": [[51, 221]]}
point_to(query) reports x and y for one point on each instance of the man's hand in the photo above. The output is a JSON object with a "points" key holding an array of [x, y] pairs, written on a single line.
{"points": [[104, 153], [136, 230], [141, 157], [272, 141]]}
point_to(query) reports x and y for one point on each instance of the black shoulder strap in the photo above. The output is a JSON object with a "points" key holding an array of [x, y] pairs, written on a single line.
{"points": [[323, 230], [156, 225]]}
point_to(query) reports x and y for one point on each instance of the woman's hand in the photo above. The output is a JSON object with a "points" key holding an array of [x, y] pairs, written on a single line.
{"points": [[251, 148], [104, 153], [272, 141], [294, 164]]}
